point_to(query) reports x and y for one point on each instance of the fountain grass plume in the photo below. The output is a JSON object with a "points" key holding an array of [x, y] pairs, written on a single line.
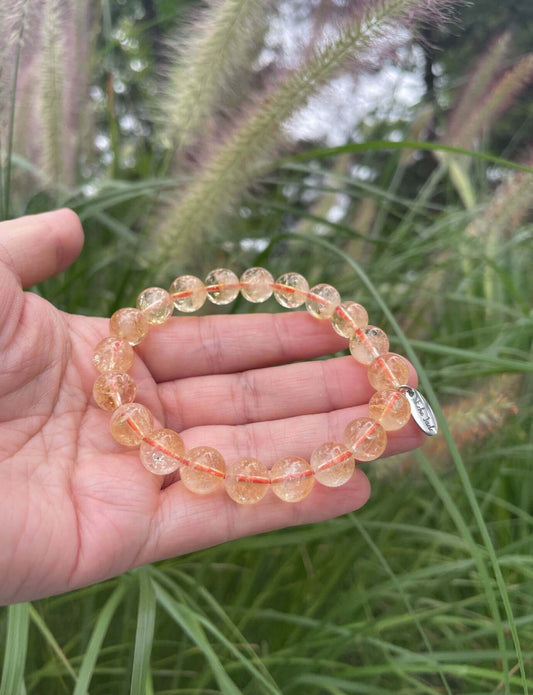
{"points": [[472, 420], [501, 95], [51, 91], [232, 166], [13, 20], [476, 85], [214, 57]]}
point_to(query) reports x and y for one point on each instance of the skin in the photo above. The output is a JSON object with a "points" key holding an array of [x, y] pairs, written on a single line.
{"points": [[77, 507]]}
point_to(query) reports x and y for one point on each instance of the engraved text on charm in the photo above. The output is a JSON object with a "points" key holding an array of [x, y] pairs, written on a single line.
{"points": [[421, 411]]}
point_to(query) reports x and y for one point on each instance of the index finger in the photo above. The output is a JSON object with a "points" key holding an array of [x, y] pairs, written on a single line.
{"points": [[196, 346]]}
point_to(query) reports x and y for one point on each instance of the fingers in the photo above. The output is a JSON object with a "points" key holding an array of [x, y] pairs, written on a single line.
{"points": [[38, 247], [185, 522], [195, 346], [267, 394], [295, 436]]}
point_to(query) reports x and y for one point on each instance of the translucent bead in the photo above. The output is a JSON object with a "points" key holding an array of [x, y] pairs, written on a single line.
{"points": [[219, 278], [333, 464], [390, 408], [113, 355], [388, 372], [330, 300], [368, 343], [159, 454], [366, 438], [293, 293], [194, 290], [156, 304], [247, 491], [130, 324], [196, 478], [292, 478], [130, 423], [113, 389], [258, 283], [347, 317]]}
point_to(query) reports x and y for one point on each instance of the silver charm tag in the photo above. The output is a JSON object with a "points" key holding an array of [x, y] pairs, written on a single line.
{"points": [[421, 411]]}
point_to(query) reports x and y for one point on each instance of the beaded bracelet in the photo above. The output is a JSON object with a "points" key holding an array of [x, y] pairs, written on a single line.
{"points": [[203, 469]]}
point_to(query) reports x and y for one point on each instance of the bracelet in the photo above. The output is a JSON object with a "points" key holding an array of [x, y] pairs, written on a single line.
{"points": [[203, 469]]}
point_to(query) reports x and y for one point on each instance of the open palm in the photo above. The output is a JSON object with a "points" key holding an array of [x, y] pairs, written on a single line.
{"points": [[76, 506]]}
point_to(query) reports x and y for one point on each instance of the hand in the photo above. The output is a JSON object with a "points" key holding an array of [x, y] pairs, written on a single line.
{"points": [[76, 506]]}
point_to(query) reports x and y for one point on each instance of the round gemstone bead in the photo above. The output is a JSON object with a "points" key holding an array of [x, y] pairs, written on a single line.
{"points": [[156, 304], [159, 454], [257, 284], [113, 389], [326, 300], [388, 372], [130, 423], [255, 484], [368, 343], [130, 324], [366, 438], [347, 317], [113, 355], [292, 478], [226, 283], [188, 293], [390, 408], [196, 477], [294, 290], [333, 464]]}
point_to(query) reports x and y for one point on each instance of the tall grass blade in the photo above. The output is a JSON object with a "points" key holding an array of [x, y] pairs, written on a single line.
{"points": [[189, 623], [18, 621], [383, 562], [144, 635], [447, 499], [384, 145], [43, 628], [97, 637]]}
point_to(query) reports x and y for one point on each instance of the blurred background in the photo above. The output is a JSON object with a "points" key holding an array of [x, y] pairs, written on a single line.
{"points": [[384, 146]]}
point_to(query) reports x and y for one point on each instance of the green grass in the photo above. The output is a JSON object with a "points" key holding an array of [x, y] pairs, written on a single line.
{"points": [[426, 590]]}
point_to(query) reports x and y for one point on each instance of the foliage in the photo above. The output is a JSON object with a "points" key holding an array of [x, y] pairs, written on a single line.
{"points": [[428, 589]]}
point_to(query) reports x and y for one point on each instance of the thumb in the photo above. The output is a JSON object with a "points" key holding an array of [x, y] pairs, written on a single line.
{"points": [[36, 247]]}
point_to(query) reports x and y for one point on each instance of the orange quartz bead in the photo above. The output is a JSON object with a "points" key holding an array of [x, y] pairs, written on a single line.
{"points": [[390, 408], [366, 438], [348, 317], [388, 371], [368, 343], [256, 284], [324, 303], [161, 451], [113, 389], [188, 293], [291, 291], [156, 304], [205, 472], [130, 324], [247, 481], [292, 478], [113, 355], [131, 423], [333, 464], [226, 285]]}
